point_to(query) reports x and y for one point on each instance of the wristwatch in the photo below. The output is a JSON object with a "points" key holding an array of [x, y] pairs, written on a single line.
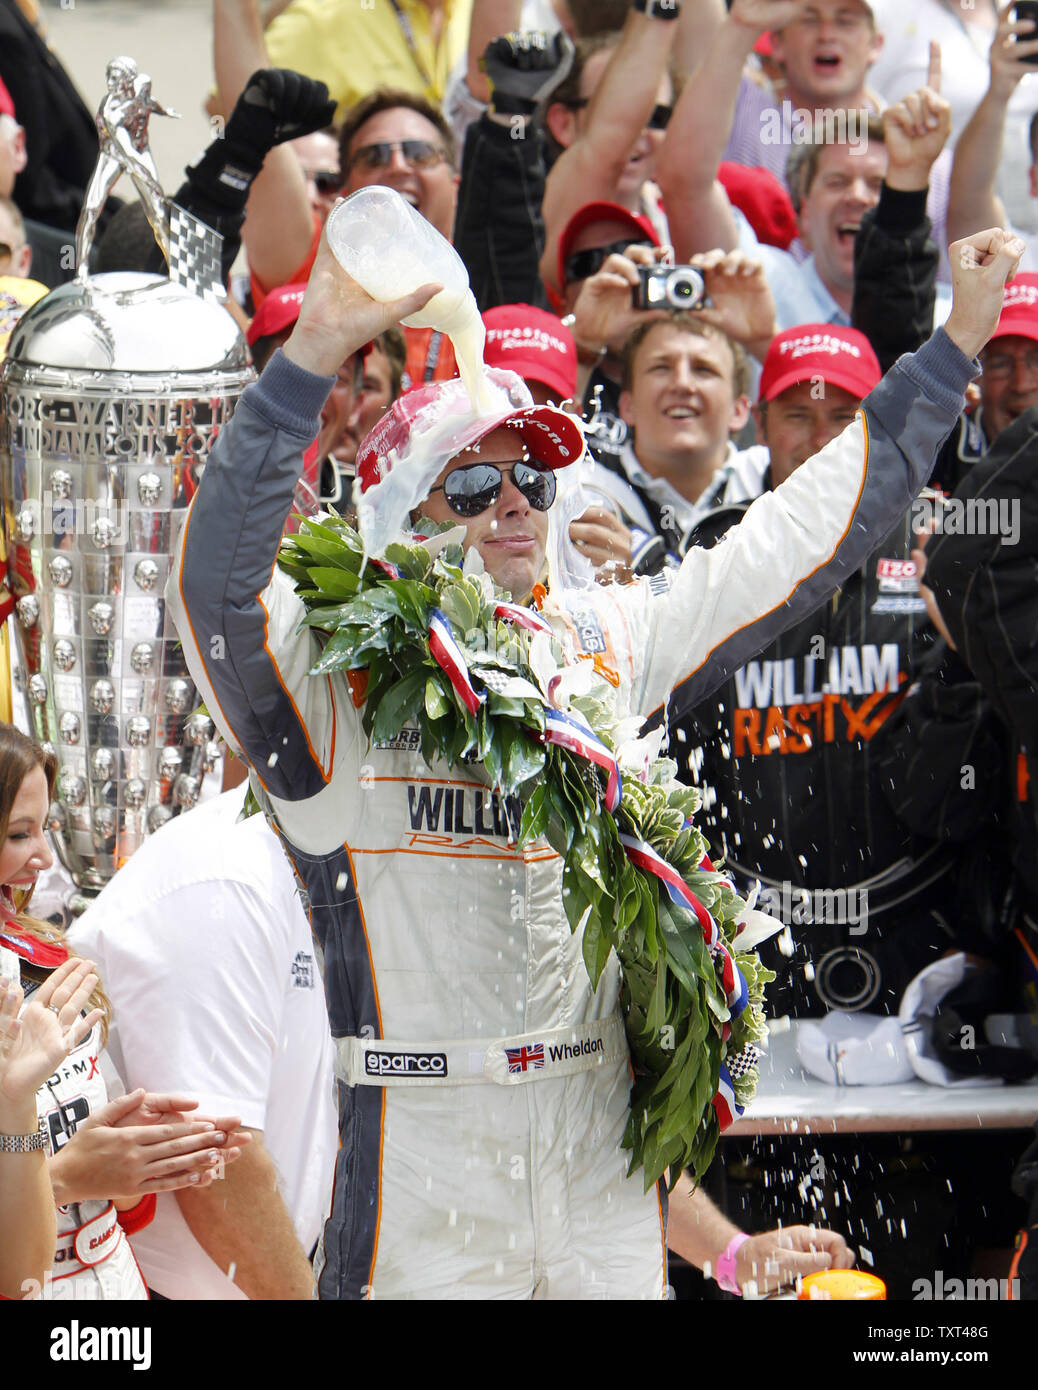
{"points": [[24, 1143], [658, 9]]}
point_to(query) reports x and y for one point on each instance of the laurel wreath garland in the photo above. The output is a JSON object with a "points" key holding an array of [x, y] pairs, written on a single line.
{"points": [[374, 618]]}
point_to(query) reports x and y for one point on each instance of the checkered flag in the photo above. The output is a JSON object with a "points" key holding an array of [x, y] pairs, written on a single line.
{"points": [[740, 1063], [194, 255]]}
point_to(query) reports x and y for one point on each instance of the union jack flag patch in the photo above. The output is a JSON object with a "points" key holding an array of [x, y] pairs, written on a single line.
{"points": [[520, 1058]]}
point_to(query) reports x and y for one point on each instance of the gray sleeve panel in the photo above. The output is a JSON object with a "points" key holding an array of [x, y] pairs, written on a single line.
{"points": [[229, 548], [907, 418]]}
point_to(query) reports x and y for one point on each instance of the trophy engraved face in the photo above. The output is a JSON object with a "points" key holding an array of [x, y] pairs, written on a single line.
{"points": [[112, 394]]}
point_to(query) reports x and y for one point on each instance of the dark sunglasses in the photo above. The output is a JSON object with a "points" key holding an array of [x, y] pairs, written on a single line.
{"points": [[584, 263], [326, 180], [659, 118], [6, 250], [471, 490], [422, 154]]}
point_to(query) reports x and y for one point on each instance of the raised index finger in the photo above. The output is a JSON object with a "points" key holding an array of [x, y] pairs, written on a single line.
{"points": [[933, 76]]}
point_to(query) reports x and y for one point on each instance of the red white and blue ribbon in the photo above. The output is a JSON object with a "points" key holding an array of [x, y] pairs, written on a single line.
{"points": [[707, 867], [386, 566], [644, 857], [448, 656], [725, 1105], [733, 981], [572, 731], [522, 617]]}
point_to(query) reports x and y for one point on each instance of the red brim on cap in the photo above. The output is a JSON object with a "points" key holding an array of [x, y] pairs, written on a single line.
{"points": [[1011, 325], [551, 436], [832, 376]]}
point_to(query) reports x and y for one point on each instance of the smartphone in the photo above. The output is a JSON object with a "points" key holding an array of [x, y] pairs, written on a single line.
{"points": [[1028, 9]]}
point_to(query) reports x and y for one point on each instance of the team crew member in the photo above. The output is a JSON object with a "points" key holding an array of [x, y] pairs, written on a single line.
{"points": [[427, 1200], [257, 1042]]}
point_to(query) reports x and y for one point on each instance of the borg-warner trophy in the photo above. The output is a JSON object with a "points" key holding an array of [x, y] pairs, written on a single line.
{"points": [[112, 392]]}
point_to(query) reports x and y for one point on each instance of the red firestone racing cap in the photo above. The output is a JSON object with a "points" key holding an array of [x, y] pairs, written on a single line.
{"points": [[533, 344], [1019, 315], [442, 409], [278, 311], [840, 356]]}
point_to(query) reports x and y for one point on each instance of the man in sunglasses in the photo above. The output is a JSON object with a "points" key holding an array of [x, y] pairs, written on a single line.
{"points": [[441, 941]]}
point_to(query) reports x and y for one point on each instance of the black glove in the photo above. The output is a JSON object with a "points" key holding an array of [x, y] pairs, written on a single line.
{"points": [[524, 69], [276, 105]]}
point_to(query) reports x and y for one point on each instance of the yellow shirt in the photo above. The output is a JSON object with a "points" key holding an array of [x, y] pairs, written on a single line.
{"points": [[357, 45]]}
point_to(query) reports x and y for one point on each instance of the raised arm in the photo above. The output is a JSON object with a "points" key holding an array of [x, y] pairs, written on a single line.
{"points": [[698, 209], [701, 20], [799, 542], [895, 258], [972, 200], [623, 101], [490, 19], [499, 229], [279, 226], [232, 609]]}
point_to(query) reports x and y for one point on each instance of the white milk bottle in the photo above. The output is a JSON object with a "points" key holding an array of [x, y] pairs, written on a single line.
{"points": [[390, 249]]}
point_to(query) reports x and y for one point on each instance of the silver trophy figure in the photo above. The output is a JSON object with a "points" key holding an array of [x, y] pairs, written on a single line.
{"points": [[111, 394], [122, 124]]}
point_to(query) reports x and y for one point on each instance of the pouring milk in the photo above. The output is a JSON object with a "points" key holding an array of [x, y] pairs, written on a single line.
{"points": [[390, 249]]}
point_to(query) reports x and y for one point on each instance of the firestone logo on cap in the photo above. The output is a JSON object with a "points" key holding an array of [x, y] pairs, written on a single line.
{"points": [[512, 338], [813, 343], [556, 439], [1019, 295]]}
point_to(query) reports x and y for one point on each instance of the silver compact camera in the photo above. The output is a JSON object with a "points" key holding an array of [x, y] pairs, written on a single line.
{"points": [[669, 287]]}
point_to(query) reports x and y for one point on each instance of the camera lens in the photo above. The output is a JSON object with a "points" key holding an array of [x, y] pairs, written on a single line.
{"points": [[684, 289]]}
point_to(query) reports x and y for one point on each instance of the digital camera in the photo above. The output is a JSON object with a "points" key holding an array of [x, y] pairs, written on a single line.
{"points": [[669, 287]]}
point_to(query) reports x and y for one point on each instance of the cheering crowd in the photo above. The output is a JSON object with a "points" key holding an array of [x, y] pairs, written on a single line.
{"points": [[764, 272]]}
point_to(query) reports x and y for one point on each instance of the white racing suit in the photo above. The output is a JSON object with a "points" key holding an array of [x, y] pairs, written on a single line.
{"points": [[483, 1086], [93, 1258]]}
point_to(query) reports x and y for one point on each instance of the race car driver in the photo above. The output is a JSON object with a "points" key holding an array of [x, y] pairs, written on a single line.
{"points": [[442, 942]]}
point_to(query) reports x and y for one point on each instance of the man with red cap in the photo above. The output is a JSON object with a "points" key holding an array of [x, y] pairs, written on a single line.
{"points": [[442, 941], [814, 380], [534, 344], [1009, 385], [1007, 388]]}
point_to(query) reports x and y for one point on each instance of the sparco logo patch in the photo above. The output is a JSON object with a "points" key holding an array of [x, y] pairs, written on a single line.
{"points": [[405, 1063]]}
